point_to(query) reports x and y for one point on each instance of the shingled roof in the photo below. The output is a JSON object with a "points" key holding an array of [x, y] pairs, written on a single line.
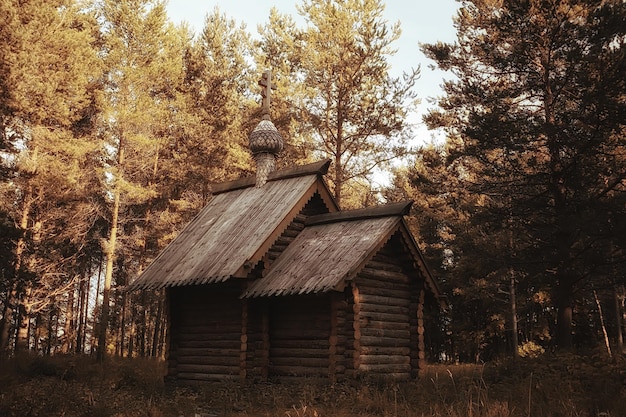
{"points": [[235, 229], [333, 248]]}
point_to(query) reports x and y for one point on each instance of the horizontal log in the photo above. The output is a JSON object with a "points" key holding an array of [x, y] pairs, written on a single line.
{"points": [[209, 336], [302, 334], [387, 292], [273, 254], [208, 369], [377, 283], [383, 300], [385, 360], [385, 275], [400, 309], [180, 352], [300, 344], [384, 317], [378, 350], [293, 230], [384, 333], [377, 324], [299, 352], [212, 330], [386, 369], [383, 342], [300, 361], [210, 360], [207, 343], [386, 266]]}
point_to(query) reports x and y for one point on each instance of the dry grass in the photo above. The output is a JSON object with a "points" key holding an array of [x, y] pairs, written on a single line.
{"points": [[566, 386]]}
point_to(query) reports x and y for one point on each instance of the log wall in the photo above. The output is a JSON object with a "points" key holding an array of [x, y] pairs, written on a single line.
{"points": [[383, 308], [300, 336], [206, 339]]}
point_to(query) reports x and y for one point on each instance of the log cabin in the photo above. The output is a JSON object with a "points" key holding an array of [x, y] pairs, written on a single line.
{"points": [[272, 280]]}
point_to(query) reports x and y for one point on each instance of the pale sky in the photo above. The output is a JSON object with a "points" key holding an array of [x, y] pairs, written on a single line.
{"points": [[422, 21]]}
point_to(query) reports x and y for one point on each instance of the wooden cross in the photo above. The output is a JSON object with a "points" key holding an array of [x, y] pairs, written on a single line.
{"points": [[266, 92]]}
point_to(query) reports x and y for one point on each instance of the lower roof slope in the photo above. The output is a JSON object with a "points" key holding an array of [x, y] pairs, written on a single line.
{"points": [[333, 248]]}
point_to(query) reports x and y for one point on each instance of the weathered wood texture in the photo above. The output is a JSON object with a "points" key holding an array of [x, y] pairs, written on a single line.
{"points": [[314, 206], [300, 331], [226, 235], [323, 256], [206, 332], [384, 307]]}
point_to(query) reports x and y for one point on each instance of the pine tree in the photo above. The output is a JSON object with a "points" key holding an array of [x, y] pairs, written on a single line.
{"points": [[351, 109], [142, 73], [536, 116], [48, 58]]}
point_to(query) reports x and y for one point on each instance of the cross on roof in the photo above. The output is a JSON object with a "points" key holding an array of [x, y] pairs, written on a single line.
{"points": [[266, 92]]}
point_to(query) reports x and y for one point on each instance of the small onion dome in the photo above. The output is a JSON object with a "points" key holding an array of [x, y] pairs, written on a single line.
{"points": [[265, 138]]}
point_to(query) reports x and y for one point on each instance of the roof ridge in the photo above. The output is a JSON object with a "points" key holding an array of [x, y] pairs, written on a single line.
{"points": [[387, 210], [319, 168]]}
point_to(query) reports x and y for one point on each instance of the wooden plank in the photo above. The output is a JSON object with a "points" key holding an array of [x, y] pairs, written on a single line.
{"points": [[306, 352], [384, 317], [384, 300], [217, 360], [300, 344], [379, 350], [208, 369], [374, 341], [381, 308], [403, 369], [395, 334], [198, 352], [377, 277], [379, 359], [301, 361]]}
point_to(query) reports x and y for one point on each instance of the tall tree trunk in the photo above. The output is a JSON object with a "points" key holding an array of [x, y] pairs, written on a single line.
{"points": [[157, 327], [23, 331], [12, 299], [619, 330], [68, 328], [108, 279], [80, 313], [94, 334], [122, 326], [38, 327], [50, 332], [142, 332], [513, 305], [110, 258], [602, 325], [564, 340]]}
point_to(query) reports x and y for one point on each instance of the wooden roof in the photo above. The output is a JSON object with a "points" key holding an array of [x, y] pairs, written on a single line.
{"points": [[333, 248], [233, 232]]}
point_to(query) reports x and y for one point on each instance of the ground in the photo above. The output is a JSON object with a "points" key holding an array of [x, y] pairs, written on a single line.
{"points": [[550, 386]]}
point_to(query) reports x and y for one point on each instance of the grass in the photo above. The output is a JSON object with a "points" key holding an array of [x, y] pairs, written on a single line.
{"points": [[551, 386]]}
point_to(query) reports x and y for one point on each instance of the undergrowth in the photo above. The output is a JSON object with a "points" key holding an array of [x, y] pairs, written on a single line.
{"points": [[550, 386]]}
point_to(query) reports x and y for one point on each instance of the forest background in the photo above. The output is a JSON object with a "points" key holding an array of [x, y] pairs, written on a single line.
{"points": [[114, 122]]}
